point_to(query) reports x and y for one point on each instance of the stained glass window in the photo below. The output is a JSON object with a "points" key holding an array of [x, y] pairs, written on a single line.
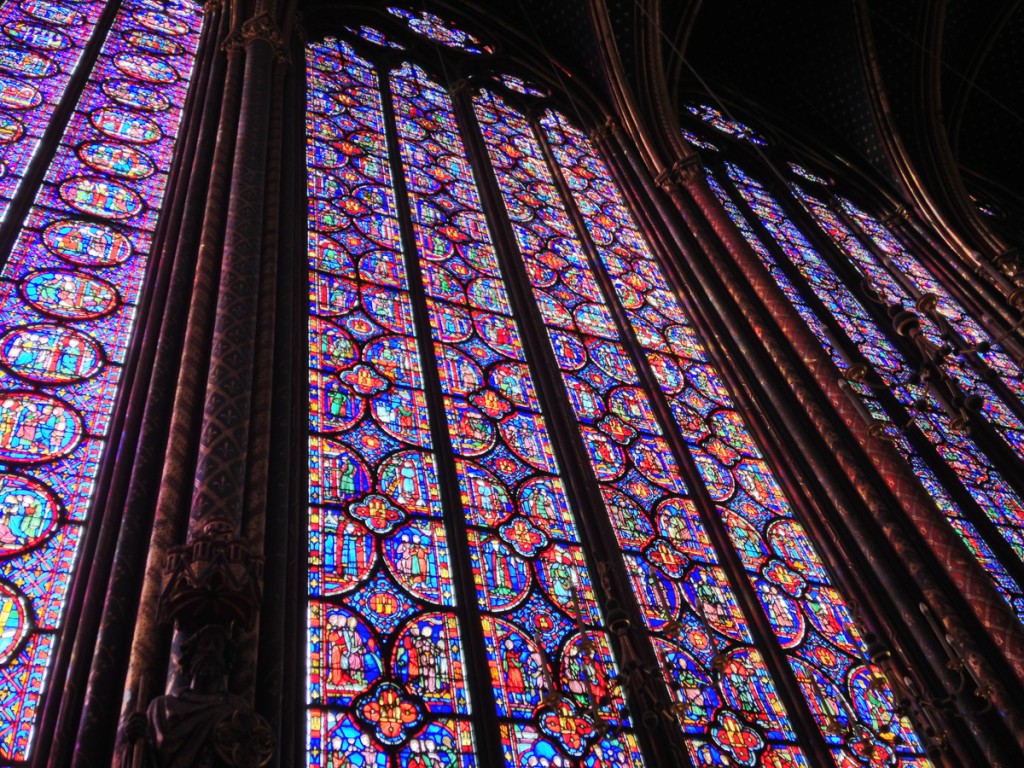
{"points": [[478, 401], [810, 618], [688, 603], [42, 43], [68, 295], [987, 487], [385, 659]]}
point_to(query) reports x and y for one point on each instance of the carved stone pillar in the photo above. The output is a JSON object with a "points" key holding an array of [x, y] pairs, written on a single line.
{"points": [[210, 587]]}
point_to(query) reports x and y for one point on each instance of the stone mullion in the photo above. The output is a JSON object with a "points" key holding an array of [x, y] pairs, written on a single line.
{"points": [[287, 470], [624, 620], [986, 603], [485, 723]]}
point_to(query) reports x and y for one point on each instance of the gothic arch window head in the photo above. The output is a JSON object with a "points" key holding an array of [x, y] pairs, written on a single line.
{"points": [[847, 274], [698, 142], [798, 170], [78, 215], [727, 125], [505, 390]]}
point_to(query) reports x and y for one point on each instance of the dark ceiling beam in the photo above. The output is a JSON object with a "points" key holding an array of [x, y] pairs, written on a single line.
{"points": [[958, 108], [940, 171], [675, 53], [962, 238]]}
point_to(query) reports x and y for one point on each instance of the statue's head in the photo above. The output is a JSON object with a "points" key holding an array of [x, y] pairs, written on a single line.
{"points": [[207, 657]]}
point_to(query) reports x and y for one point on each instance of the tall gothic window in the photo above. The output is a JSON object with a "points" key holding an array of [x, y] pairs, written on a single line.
{"points": [[90, 98], [518, 438], [930, 377]]}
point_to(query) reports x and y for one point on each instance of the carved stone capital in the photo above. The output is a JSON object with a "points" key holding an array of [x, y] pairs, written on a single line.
{"points": [[683, 172], [214, 579], [262, 27], [212, 6], [605, 132], [462, 85], [901, 213]]}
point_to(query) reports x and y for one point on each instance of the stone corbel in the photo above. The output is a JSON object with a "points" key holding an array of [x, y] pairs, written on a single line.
{"points": [[682, 173]]}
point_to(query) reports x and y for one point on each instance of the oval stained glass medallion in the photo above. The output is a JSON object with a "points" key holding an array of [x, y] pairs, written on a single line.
{"points": [[53, 13], [146, 68], [132, 93], [152, 43], [101, 198], [26, 63], [28, 513], [50, 354], [36, 427], [159, 22], [69, 295], [36, 36], [126, 162], [16, 95], [126, 126], [87, 244]]}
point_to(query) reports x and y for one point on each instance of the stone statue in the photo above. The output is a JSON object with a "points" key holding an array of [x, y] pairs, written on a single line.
{"points": [[204, 725]]}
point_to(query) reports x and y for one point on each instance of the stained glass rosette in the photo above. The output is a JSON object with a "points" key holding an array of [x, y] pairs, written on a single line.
{"points": [[689, 606], [385, 648], [550, 665], [41, 43], [874, 408], [853, 706], [67, 299]]}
